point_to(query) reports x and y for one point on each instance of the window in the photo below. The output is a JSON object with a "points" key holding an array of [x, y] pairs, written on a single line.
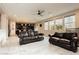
{"points": [[69, 22], [51, 25], [59, 24], [46, 25]]}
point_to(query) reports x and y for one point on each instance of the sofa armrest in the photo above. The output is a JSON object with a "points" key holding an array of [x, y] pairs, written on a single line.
{"points": [[51, 35], [75, 39], [74, 44], [40, 34]]}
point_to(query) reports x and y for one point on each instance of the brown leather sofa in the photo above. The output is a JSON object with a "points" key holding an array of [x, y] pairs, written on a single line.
{"points": [[29, 37], [65, 40]]}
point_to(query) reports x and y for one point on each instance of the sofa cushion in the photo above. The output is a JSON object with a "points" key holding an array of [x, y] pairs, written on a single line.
{"points": [[32, 34], [65, 40], [68, 35], [35, 33], [60, 35], [26, 34], [26, 38], [56, 38]]}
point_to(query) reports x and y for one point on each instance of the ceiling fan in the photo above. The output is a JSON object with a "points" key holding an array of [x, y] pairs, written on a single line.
{"points": [[40, 12]]}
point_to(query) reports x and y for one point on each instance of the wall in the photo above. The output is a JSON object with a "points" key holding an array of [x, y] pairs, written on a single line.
{"points": [[77, 19], [5, 20], [46, 32], [4, 26], [12, 28]]}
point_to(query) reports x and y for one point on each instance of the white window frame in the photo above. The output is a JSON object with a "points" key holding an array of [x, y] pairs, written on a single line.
{"points": [[51, 23], [46, 24], [70, 22]]}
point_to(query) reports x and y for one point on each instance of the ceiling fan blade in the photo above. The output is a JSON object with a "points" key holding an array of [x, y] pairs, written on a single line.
{"points": [[42, 11]]}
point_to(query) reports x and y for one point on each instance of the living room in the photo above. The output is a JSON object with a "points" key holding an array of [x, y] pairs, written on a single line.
{"points": [[42, 21]]}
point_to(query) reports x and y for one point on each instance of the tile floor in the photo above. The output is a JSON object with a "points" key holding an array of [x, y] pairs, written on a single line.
{"points": [[37, 48]]}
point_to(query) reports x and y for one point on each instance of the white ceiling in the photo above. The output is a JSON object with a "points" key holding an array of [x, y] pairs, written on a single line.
{"points": [[27, 11]]}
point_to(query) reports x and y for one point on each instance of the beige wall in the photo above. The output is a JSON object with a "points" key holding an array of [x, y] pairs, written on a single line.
{"points": [[12, 28], [4, 28], [4, 23], [77, 19], [46, 32]]}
